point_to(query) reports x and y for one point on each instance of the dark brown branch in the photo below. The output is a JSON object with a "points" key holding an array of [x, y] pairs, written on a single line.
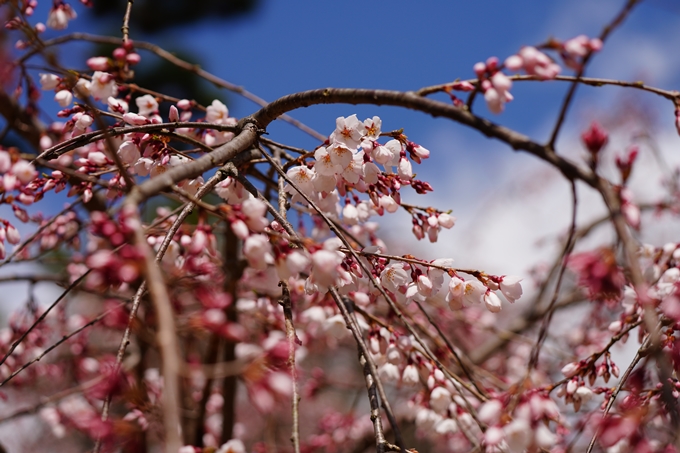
{"points": [[432, 107], [195, 168]]}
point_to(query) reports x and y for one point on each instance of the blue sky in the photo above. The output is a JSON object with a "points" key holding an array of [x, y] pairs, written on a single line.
{"points": [[285, 47]]}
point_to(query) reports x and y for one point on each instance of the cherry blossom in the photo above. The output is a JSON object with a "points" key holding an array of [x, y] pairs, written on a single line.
{"points": [[348, 132], [147, 105], [217, 113], [49, 81], [510, 287], [103, 85], [60, 15], [235, 280], [393, 277]]}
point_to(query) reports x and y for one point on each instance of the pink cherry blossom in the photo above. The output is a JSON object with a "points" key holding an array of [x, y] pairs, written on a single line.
{"points": [[258, 251], [325, 267], [98, 63], [128, 152], [24, 171]]}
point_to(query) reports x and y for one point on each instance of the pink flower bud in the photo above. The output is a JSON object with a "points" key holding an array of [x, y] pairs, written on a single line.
{"points": [[174, 114], [501, 82], [594, 138], [492, 302], [514, 63], [135, 119], [133, 58], [479, 68], [463, 86], [240, 229], [446, 220], [63, 98], [13, 236], [493, 101], [98, 63], [119, 53], [571, 369]]}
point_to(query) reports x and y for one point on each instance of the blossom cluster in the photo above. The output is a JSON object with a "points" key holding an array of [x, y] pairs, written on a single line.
{"points": [[496, 85], [349, 163]]}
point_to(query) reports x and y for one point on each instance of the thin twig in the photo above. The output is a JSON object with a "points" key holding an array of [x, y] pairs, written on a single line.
{"points": [[616, 391], [161, 129], [55, 345], [162, 53], [372, 376], [126, 22], [591, 81], [468, 372], [70, 207], [44, 314], [285, 302], [586, 59], [568, 247], [136, 300]]}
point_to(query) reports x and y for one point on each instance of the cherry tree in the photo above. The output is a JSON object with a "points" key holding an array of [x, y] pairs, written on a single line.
{"points": [[223, 291]]}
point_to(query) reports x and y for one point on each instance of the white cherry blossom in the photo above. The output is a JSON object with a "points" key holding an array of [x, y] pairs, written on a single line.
{"points": [[394, 276], [64, 98], [217, 113], [302, 177], [510, 287], [258, 251], [492, 302], [410, 376], [474, 292], [324, 164], [373, 127], [440, 399], [147, 105], [348, 131], [340, 155], [49, 81], [103, 85]]}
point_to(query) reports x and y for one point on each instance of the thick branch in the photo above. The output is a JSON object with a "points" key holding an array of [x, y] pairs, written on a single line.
{"points": [[432, 107]]}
